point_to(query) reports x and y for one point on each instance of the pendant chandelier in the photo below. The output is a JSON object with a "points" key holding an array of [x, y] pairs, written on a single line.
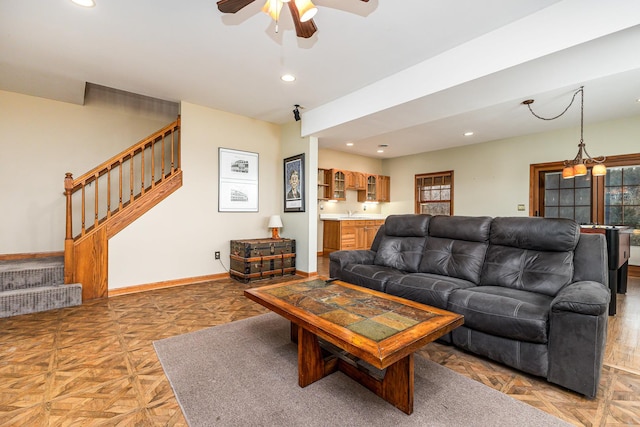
{"points": [[577, 166]]}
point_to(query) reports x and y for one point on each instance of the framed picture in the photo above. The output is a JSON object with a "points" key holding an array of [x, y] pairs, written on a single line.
{"points": [[294, 183], [237, 181]]}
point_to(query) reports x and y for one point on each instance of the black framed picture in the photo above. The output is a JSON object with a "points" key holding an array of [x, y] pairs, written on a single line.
{"points": [[294, 183]]}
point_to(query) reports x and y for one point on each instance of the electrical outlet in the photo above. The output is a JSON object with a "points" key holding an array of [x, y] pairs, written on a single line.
{"points": [[217, 254]]}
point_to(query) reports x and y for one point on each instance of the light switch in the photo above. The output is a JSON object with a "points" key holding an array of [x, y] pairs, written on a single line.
{"points": [[521, 207]]}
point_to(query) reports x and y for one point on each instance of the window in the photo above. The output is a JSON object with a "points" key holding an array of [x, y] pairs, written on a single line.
{"points": [[567, 198], [613, 199], [622, 197], [434, 193]]}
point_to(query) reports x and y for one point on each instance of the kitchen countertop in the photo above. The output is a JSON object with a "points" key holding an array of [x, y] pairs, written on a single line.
{"points": [[345, 217]]}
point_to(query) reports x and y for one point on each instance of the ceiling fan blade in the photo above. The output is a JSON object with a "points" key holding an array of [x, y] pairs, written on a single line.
{"points": [[303, 29], [232, 6]]}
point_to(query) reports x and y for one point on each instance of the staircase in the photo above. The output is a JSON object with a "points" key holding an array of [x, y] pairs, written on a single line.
{"points": [[103, 201], [33, 285]]}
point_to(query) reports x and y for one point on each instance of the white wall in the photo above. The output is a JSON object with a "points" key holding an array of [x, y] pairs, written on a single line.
{"points": [[42, 139], [493, 178], [177, 238]]}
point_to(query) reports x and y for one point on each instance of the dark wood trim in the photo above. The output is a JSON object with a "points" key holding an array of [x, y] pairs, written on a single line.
{"points": [[166, 284], [416, 191], [14, 257]]}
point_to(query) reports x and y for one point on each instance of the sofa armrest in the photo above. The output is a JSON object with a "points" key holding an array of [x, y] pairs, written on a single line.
{"points": [[359, 256], [340, 259], [585, 297], [577, 336]]}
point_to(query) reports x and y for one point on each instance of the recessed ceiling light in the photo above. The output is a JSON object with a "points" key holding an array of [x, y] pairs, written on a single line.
{"points": [[349, 144], [381, 151], [468, 134], [84, 3], [288, 78]]}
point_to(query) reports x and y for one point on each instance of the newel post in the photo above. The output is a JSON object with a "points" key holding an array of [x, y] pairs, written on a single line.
{"points": [[68, 239]]}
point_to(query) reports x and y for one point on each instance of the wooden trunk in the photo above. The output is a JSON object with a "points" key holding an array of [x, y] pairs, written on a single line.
{"points": [[256, 259]]}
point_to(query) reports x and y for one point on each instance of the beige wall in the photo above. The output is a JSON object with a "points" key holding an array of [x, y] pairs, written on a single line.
{"points": [[177, 238], [493, 178], [42, 139], [299, 225], [331, 159]]}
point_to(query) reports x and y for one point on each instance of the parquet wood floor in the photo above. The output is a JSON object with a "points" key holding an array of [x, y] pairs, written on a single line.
{"points": [[94, 365]]}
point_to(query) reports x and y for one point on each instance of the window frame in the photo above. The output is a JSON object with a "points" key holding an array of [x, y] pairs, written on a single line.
{"points": [[416, 190], [536, 184]]}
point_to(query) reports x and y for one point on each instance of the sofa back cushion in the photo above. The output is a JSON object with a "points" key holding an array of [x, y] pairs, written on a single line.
{"points": [[408, 225], [400, 242], [456, 247], [533, 254], [401, 253]]}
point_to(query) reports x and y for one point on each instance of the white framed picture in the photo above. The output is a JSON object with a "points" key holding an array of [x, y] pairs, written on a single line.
{"points": [[238, 181]]}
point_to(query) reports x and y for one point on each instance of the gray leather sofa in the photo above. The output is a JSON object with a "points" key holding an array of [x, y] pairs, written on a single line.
{"points": [[533, 291]]}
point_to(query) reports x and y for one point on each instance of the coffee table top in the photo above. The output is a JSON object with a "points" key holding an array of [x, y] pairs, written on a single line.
{"points": [[374, 326]]}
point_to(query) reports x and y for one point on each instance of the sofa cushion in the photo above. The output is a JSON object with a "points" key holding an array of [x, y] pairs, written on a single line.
{"points": [[469, 228], [454, 258], [408, 225], [504, 312], [535, 233], [529, 270], [370, 276], [402, 253], [430, 289]]}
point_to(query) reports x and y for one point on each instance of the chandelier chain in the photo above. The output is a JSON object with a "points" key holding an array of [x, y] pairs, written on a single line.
{"points": [[565, 110]]}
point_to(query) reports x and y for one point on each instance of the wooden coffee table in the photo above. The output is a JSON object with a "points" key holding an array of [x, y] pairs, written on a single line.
{"points": [[370, 336]]}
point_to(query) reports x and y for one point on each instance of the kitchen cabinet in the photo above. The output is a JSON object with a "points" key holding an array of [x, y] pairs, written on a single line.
{"points": [[324, 184], [338, 185], [355, 180], [334, 183], [349, 234], [370, 193], [384, 188]]}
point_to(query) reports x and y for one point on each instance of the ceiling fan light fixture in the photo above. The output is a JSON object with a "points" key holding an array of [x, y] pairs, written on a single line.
{"points": [[306, 9], [272, 8]]}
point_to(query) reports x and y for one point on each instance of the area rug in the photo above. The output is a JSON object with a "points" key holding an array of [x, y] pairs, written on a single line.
{"points": [[244, 373]]}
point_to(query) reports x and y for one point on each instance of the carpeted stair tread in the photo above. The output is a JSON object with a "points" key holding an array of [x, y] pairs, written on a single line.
{"points": [[36, 284], [41, 298], [23, 274], [30, 264]]}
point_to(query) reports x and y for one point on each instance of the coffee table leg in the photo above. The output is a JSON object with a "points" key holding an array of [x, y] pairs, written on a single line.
{"points": [[310, 359], [397, 385]]}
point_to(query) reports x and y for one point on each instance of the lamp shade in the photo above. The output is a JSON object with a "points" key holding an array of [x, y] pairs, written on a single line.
{"points": [[275, 221], [567, 172], [306, 9], [580, 169], [599, 170]]}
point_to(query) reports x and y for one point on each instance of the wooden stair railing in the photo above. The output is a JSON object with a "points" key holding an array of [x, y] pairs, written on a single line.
{"points": [[124, 188]]}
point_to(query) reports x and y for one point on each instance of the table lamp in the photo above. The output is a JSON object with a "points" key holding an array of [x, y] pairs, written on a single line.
{"points": [[275, 223]]}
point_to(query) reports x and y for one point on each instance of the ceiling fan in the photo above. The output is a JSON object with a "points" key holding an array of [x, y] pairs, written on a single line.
{"points": [[302, 12]]}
